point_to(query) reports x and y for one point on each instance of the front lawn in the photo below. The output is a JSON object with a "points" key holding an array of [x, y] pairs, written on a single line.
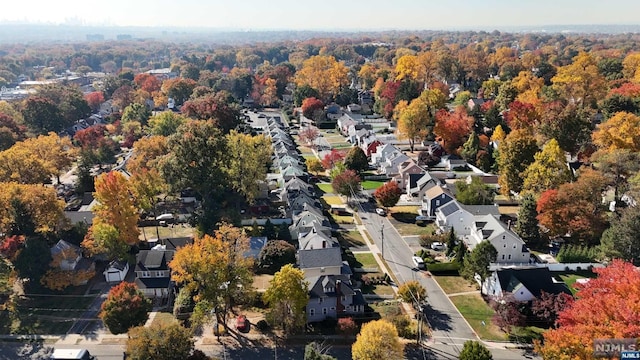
{"points": [[371, 184], [478, 314], [332, 199], [454, 284], [325, 188], [164, 318], [366, 260], [178, 230], [351, 238], [570, 278]]}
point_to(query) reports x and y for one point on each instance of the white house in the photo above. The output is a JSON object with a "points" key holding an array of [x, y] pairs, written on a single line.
{"points": [[452, 215], [524, 284], [511, 248], [381, 153]]}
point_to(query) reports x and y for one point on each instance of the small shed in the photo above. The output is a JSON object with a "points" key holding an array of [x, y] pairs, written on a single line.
{"points": [[116, 271]]}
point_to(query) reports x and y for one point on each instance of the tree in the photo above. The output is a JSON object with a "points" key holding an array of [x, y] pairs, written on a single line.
{"points": [[377, 340], [418, 115], [324, 74], [356, 160], [125, 307], [507, 313], [248, 157], [116, 206], [474, 193], [453, 128], [346, 183], [527, 224], [621, 132], [136, 112], [69, 99], [275, 254], [308, 135], [568, 124], [147, 153], [216, 108], [622, 239], [347, 327], [605, 307], [42, 115], [452, 241], [332, 158], [287, 296], [32, 261], [388, 194], [474, 350], [310, 106], [548, 171], [178, 89], [580, 81], [304, 92], [412, 292], [147, 82], [618, 166], [517, 151], [477, 262], [315, 351], [548, 306], [314, 165], [160, 342], [10, 131], [165, 123], [104, 239], [10, 245], [216, 270], [123, 97], [470, 148], [29, 209]]}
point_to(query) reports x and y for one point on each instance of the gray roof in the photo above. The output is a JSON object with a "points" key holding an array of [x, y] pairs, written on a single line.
{"points": [[535, 280], [153, 259], [449, 208], [153, 283], [319, 283], [481, 209], [318, 258]]}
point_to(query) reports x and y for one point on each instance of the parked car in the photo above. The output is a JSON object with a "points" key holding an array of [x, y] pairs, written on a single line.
{"points": [[418, 262], [381, 211], [165, 217], [241, 323], [71, 354], [438, 246]]}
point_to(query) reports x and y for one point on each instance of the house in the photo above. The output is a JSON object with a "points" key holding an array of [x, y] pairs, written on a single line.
{"points": [[453, 162], [391, 165], [452, 215], [407, 168], [434, 198], [472, 103], [381, 154], [318, 262], [116, 271], [524, 284], [153, 275], [344, 122], [511, 248], [316, 240], [418, 184], [354, 108], [70, 257], [256, 243], [297, 185], [292, 171], [333, 296]]}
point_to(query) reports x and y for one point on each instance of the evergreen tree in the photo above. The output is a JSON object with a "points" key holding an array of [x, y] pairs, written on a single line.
{"points": [[451, 242], [269, 230], [474, 350], [527, 224], [470, 148], [461, 252]]}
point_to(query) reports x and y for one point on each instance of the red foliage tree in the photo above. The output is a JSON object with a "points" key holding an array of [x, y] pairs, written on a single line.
{"points": [[388, 194], [213, 107], [605, 307], [90, 137], [346, 183], [308, 135], [147, 82], [310, 106], [627, 89], [10, 246], [94, 99], [548, 306], [508, 314], [521, 115], [347, 327], [333, 157], [124, 308], [453, 128]]}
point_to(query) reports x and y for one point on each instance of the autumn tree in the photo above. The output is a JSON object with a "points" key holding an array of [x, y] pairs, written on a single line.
{"points": [[10, 131], [32, 261], [388, 194], [287, 296], [275, 254], [377, 340], [10, 245], [165, 123], [136, 112], [418, 115], [332, 158], [605, 307], [324, 74], [517, 151], [147, 152], [346, 183], [216, 270], [548, 171], [314, 165], [478, 261], [116, 206], [94, 100], [356, 160], [125, 307], [580, 81], [308, 135], [574, 208], [474, 350], [216, 108], [310, 106], [475, 192], [19, 164], [548, 306], [178, 89], [123, 97], [527, 224], [622, 131], [621, 240], [507, 313], [29, 210], [453, 128], [248, 158], [347, 327], [470, 148], [59, 279], [69, 99], [160, 342], [412, 292], [569, 124]]}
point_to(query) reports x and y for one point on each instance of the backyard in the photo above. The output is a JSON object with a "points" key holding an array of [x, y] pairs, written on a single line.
{"points": [[171, 231]]}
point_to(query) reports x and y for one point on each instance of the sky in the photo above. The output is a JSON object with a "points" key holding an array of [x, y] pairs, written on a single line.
{"points": [[324, 14]]}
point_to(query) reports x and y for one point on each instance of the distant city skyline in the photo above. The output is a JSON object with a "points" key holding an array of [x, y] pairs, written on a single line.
{"points": [[325, 15]]}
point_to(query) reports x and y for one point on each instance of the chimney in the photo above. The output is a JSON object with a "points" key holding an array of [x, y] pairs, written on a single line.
{"points": [[339, 305], [509, 224]]}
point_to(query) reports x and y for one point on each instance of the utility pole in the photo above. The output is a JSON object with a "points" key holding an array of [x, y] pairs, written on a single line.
{"points": [[382, 238]]}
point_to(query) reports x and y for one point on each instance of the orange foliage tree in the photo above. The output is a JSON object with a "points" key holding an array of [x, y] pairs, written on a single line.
{"points": [[606, 307], [453, 128]]}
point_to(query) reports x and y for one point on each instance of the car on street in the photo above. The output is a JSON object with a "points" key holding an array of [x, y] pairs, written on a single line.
{"points": [[381, 211], [418, 262]]}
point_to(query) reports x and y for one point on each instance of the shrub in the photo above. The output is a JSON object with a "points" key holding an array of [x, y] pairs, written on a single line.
{"points": [[403, 325], [427, 239], [449, 268], [263, 325]]}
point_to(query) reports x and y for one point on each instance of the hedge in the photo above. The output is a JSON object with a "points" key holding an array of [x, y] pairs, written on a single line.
{"points": [[452, 267]]}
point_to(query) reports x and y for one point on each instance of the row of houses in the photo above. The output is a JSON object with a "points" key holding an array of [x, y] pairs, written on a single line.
{"points": [[332, 292]]}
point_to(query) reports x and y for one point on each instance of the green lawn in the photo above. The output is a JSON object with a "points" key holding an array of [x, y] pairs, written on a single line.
{"points": [[476, 311], [325, 188], [351, 238], [49, 314], [526, 334], [454, 284], [333, 199], [570, 278], [342, 219], [366, 260], [408, 229], [377, 289], [371, 184]]}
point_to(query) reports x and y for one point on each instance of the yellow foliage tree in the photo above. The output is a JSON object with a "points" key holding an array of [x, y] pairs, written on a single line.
{"points": [[324, 74], [377, 340], [42, 204], [548, 171], [621, 131], [581, 80], [287, 296], [414, 119], [408, 67], [630, 67], [116, 206]]}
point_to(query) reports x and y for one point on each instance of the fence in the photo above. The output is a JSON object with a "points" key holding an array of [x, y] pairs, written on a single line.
{"points": [[551, 267], [261, 222]]}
